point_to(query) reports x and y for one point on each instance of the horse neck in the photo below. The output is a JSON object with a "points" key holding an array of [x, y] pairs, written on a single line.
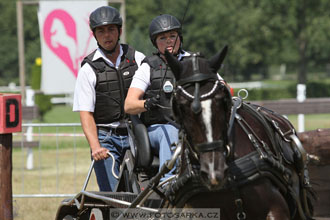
{"points": [[242, 143]]}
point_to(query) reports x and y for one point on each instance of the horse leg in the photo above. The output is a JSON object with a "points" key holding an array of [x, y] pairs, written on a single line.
{"points": [[263, 200], [278, 214]]}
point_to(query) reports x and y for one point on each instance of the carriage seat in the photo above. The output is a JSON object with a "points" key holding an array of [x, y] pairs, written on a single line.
{"points": [[145, 159]]}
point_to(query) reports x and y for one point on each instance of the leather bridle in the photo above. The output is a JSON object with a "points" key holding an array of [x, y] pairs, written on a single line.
{"points": [[196, 79]]}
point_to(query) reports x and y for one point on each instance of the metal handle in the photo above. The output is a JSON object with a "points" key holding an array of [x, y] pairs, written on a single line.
{"points": [[88, 175]]}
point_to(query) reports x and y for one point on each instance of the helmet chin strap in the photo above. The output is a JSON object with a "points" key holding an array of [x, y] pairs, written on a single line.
{"points": [[178, 52], [108, 52]]}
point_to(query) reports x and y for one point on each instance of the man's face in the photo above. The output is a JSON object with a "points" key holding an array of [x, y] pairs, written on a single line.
{"points": [[107, 36], [166, 40]]}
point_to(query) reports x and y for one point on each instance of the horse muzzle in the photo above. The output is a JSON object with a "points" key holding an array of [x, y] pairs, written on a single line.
{"points": [[212, 158], [213, 169]]}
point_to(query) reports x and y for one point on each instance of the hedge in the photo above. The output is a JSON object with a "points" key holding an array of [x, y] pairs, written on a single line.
{"points": [[315, 89]]}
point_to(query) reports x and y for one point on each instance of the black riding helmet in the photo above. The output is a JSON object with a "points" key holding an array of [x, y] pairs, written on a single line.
{"points": [[103, 16], [164, 23]]}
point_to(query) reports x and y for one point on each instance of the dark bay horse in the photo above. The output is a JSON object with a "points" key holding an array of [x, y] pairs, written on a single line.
{"points": [[238, 157]]}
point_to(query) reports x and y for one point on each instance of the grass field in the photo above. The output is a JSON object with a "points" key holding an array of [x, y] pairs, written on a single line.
{"points": [[53, 171], [312, 122], [53, 174], [63, 114], [57, 156]]}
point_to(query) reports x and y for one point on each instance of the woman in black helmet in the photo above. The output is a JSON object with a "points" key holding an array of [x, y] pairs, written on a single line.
{"points": [[101, 89], [152, 86]]}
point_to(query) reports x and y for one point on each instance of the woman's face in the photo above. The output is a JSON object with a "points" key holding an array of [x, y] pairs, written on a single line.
{"points": [[167, 40]]}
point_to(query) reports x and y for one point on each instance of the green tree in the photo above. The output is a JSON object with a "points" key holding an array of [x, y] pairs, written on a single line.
{"points": [[260, 33], [303, 26], [8, 38], [139, 17]]}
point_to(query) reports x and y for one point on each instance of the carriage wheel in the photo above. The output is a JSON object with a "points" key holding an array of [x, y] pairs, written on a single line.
{"points": [[182, 196], [96, 214], [68, 217]]}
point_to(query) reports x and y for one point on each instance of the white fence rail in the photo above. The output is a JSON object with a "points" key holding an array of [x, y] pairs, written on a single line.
{"points": [[45, 160]]}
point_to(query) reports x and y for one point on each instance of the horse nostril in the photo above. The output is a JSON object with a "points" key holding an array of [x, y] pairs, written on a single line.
{"points": [[225, 167], [214, 182], [204, 175]]}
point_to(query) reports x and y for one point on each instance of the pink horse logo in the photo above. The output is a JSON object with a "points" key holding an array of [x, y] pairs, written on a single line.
{"points": [[60, 34]]}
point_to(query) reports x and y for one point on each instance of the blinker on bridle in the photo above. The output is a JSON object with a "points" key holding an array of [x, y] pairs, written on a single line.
{"points": [[196, 78]]}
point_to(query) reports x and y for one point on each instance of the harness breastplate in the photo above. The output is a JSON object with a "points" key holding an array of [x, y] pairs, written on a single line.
{"points": [[112, 85], [160, 74]]}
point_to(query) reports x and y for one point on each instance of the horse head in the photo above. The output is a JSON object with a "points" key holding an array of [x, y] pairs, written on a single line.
{"points": [[202, 105]]}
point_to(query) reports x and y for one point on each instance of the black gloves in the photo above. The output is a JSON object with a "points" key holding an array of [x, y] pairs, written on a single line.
{"points": [[151, 103]]}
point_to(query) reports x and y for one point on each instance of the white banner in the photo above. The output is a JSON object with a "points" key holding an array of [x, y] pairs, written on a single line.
{"points": [[65, 40]]}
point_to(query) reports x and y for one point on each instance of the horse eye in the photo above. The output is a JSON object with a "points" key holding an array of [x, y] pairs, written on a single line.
{"points": [[183, 101], [218, 96]]}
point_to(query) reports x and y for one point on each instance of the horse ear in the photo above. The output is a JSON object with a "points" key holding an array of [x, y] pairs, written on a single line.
{"points": [[174, 64], [216, 60]]}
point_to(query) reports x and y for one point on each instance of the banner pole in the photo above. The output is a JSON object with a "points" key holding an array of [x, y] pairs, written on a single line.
{"points": [[21, 56]]}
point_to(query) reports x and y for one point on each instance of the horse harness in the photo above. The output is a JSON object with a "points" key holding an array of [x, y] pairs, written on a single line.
{"points": [[265, 161], [260, 163]]}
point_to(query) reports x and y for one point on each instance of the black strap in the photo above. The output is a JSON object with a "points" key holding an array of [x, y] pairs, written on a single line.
{"points": [[197, 77], [172, 122], [237, 102], [266, 126], [216, 145]]}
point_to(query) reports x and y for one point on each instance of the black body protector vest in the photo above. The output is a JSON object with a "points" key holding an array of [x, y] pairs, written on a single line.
{"points": [[160, 74], [112, 85]]}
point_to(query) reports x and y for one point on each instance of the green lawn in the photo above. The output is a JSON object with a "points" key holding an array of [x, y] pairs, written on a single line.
{"points": [[61, 114], [64, 114], [312, 122], [53, 173]]}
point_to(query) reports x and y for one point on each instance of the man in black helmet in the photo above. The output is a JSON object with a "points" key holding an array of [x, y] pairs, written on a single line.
{"points": [[100, 91], [152, 86]]}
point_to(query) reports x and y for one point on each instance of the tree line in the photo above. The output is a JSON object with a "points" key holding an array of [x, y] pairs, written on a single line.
{"points": [[260, 33]]}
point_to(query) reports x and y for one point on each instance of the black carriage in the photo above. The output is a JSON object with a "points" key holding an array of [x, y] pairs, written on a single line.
{"points": [[138, 178]]}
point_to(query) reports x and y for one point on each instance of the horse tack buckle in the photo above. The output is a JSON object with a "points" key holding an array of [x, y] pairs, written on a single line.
{"points": [[241, 216], [283, 134], [240, 213], [300, 147]]}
